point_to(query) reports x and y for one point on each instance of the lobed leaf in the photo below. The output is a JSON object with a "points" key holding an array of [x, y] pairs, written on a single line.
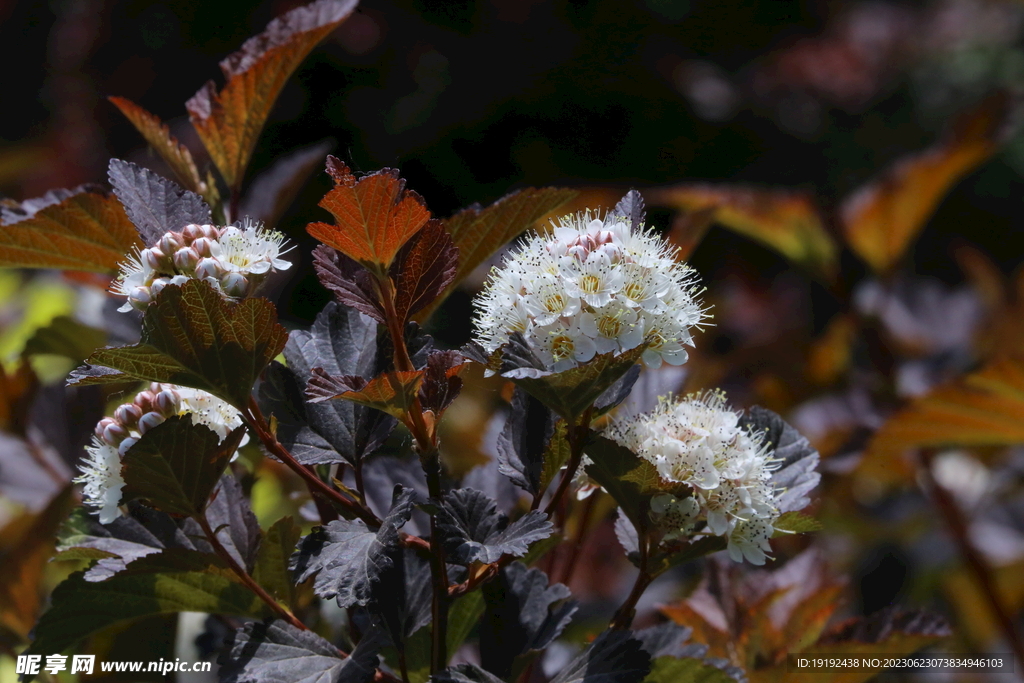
{"points": [[797, 474], [82, 230], [985, 408], [175, 580], [441, 382], [153, 203], [685, 670], [374, 216], [786, 221], [402, 596], [274, 651], [885, 216], [474, 530], [229, 122], [480, 232], [423, 268], [613, 657], [231, 516], [191, 336], [524, 442], [341, 342], [175, 466], [523, 615], [627, 477], [351, 284], [347, 557], [392, 392]]}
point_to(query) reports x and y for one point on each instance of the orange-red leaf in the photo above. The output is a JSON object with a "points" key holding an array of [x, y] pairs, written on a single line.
{"points": [[882, 218], [392, 392], [423, 269], [230, 121], [983, 409], [159, 137], [86, 231], [786, 221], [374, 216]]}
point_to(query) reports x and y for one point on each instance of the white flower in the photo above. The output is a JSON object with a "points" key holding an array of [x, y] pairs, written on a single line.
{"points": [[620, 287], [101, 476], [699, 442], [114, 436], [234, 260]]}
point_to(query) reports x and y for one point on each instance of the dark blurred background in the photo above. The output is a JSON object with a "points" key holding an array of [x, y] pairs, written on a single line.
{"points": [[473, 99]]}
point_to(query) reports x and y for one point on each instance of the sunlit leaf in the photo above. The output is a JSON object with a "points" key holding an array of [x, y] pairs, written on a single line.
{"points": [[159, 137], [84, 231], [685, 670], [479, 232], [229, 122], [423, 269], [786, 221], [191, 336], [374, 216], [982, 409], [393, 392], [882, 218]]}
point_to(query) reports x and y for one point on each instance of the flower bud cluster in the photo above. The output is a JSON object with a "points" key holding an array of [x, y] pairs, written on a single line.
{"points": [[591, 286], [113, 436], [698, 441], [235, 260]]}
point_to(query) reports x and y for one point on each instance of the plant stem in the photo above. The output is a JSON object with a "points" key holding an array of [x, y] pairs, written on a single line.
{"points": [[577, 546], [623, 618], [958, 528], [577, 436], [244, 576], [317, 486]]}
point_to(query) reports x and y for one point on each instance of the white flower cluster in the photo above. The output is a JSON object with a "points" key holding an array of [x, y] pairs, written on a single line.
{"points": [[101, 469], [235, 260], [591, 286], [698, 441]]}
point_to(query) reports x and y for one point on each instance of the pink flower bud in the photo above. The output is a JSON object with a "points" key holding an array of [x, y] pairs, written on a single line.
{"points": [[235, 285], [203, 246], [125, 445], [158, 286], [154, 258], [128, 414], [209, 267], [168, 402], [169, 243], [102, 425], [211, 232], [192, 232], [185, 260], [140, 298], [144, 400], [150, 420], [114, 434]]}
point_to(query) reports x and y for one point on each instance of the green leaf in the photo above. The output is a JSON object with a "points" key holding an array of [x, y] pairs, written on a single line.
{"points": [[192, 337], [555, 455], [613, 657], [630, 479], [478, 233], [74, 230], [795, 523], [570, 392], [176, 465], [175, 580], [685, 670], [463, 615], [67, 337], [271, 569], [229, 122]]}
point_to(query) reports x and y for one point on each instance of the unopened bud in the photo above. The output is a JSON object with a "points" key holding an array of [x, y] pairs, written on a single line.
{"points": [[125, 445], [209, 267], [140, 298], [203, 246], [102, 425], [114, 434], [211, 232], [154, 258], [167, 403], [235, 285], [192, 232], [144, 400], [169, 243], [185, 260], [128, 414], [158, 286], [150, 420]]}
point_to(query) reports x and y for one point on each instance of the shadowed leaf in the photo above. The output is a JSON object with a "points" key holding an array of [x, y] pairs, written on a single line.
{"points": [[351, 284], [85, 230], [479, 232], [67, 337], [229, 122], [347, 557], [175, 465], [191, 336], [797, 473], [786, 221], [175, 580], [230, 514], [465, 673], [274, 190], [341, 342], [402, 597], [882, 218], [155, 204], [614, 657], [474, 530], [523, 614], [423, 269], [441, 381], [523, 442], [271, 568], [374, 216], [627, 477]]}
